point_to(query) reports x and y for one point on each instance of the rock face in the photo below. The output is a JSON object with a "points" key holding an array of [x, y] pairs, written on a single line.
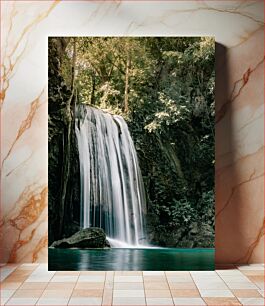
{"points": [[93, 237], [64, 185]]}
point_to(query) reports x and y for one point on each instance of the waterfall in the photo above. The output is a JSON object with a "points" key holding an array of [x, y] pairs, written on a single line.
{"points": [[112, 191]]}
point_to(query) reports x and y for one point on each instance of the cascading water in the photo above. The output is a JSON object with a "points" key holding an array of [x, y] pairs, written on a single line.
{"points": [[112, 191]]}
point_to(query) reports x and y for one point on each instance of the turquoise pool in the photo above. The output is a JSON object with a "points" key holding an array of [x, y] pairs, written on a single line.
{"points": [[166, 259]]}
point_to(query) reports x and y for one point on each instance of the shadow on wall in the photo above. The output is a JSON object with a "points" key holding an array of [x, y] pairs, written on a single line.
{"points": [[233, 240], [224, 157], [223, 138]]}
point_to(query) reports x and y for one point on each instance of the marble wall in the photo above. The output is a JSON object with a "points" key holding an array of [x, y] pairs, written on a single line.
{"points": [[238, 27]]}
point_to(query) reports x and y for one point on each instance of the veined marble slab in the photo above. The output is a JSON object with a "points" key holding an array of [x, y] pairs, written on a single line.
{"points": [[238, 27]]}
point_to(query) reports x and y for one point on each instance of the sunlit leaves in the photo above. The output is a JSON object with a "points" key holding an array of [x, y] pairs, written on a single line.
{"points": [[170, 116]]}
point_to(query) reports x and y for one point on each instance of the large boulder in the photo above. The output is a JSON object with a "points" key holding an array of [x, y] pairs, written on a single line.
{"points": [[92, 237]]}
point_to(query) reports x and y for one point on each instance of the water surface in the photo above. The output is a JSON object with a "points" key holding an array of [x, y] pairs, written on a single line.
{"points": [[164, 259]]}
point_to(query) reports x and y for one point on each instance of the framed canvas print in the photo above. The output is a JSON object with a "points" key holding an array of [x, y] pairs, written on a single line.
{"points": [[131, 153]]}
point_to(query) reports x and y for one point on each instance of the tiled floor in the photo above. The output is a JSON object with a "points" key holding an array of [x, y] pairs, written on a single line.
{"points": [[33, 284]]}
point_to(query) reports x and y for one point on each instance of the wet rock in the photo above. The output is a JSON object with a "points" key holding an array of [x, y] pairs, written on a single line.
{"points": [[86, 238]]}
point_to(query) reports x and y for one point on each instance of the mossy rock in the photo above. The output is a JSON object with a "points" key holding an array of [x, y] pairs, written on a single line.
{"points": [[85, 239]]}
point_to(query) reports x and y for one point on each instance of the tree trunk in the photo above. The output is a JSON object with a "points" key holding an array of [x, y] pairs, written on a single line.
{"points": [[126, 91], [73, 64], [92, 97], [67, 140]]}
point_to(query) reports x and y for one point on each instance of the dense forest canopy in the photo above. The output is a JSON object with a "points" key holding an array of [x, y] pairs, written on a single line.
{"points": [[164, 88]]}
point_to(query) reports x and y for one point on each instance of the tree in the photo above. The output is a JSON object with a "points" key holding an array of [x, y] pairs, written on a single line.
{"points": [[164, 88]]}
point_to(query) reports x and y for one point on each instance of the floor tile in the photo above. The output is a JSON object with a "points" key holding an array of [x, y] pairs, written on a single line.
{"points": [[241, 285], [179, 278], [246, 293], [256, 278], [188, 301], [40, 275], [128, 293], [91, 278], [177, 273], [53, 301], [129, 286], [64, 279], [39, 278], [155, 278], [21, 272], [202, 278], [253, 272], [87, 293], [6, 271], [22, 301], [157, 293], [214, 280], [151, 273], [34, 286], [42, 271], [203, 273], [107, 298], [251, 267], [128, 273], [9, 285], [85, 301], [232, 272], [159, 301], [182, 286], [68, 273], [3, 300], [6, 293], [235, 278], [260, 285], [98, 273], [216, 293], [16, 278], [60, 286], [215, 301], [28, 293], [28, 284], [56, 294], [110, 274], [156, 285], [211, 285], [128, 279], [131, 301], [252, 301], [261, 292], [88, 285], [182, 293], [109, 285]]}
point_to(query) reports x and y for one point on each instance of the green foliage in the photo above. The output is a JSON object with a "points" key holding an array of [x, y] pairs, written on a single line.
{"points": [[181, 212], [170, 113]]}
